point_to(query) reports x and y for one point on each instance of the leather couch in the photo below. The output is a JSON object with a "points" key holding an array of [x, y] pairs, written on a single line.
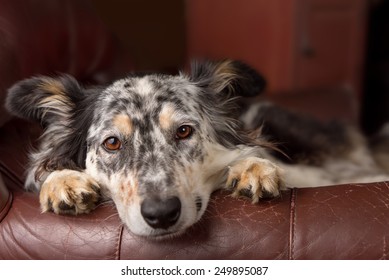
{"points": [[334, 222]]}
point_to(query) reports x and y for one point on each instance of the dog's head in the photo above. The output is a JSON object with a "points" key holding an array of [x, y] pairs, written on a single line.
{"points": [[158, 145]]}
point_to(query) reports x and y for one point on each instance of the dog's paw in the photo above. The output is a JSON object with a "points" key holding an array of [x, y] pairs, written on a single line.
{"points": [[69, 192], [254, 178]]}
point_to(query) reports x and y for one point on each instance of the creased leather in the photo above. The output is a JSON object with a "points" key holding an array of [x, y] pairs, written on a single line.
{"points": [[342, 222]]}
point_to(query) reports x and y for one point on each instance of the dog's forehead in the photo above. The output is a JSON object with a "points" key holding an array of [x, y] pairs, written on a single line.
{"points": [[149, 91], [153, 98]]}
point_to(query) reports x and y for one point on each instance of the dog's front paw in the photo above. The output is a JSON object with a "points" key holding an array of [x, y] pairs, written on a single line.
{"points": [[254, 178], [69, 192]]}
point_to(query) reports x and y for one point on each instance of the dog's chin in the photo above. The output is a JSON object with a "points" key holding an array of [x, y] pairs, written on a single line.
{"points": [[166, 235], [161, 234]]}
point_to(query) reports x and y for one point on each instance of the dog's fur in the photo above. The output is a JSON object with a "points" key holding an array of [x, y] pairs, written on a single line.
{"points": [[159, 145]]}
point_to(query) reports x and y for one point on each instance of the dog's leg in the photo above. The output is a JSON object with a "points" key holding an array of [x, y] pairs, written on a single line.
{"points": [[255, 178], [69, 192]]}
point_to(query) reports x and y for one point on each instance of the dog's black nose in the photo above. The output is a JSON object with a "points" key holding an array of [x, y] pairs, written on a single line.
{"points": [[159, 213]]}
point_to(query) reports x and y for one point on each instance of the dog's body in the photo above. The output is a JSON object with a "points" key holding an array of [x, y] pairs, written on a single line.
{"points": [[321, 153], [158, 146]]}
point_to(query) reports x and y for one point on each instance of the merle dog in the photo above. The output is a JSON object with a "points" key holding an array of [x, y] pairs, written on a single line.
{"points": [[159, 145]]}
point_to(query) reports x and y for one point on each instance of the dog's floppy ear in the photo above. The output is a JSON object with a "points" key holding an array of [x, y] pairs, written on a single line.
{"points": [[232, 77], [44, 99], [64, 110]]}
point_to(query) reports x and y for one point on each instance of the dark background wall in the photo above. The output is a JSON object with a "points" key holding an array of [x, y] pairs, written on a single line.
{"points": [[376, 92], [152, 31]]}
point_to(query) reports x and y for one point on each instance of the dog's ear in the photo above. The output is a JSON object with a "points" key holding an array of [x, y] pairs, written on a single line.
{"points": [[232, 77], [63, 108], [44, 99]]}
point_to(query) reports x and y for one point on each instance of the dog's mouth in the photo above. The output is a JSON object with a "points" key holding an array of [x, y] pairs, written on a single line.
{"points": [[166, 235]]}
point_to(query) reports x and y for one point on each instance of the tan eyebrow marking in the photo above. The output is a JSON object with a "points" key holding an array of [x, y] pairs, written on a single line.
{"points": [[123, 123], [166, 117]]}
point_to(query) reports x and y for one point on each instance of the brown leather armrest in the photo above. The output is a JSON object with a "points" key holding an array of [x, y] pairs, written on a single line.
{"points": [[338, 222]]}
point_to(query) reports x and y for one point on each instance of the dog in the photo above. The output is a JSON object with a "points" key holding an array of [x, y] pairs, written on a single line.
{"points": [[159, 145]]}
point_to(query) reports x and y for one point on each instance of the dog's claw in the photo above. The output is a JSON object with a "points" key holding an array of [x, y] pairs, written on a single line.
{"points": [[233, 184]]}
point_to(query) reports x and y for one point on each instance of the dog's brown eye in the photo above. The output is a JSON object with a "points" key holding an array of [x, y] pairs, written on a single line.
{"points": [[184, 132], [112, 144]]}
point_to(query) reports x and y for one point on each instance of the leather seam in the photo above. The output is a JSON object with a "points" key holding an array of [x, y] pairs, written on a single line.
{"points": [[292, 223], [119, 242]]}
